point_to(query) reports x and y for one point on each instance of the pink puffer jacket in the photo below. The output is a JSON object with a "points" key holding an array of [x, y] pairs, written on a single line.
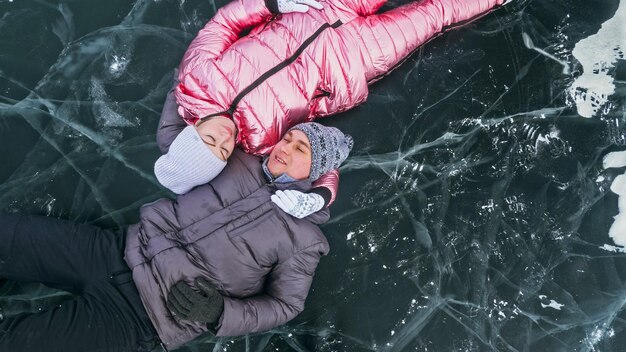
{"points": [[295, 67]]}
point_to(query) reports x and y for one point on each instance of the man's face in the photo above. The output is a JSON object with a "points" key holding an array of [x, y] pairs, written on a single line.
{"points": [[292, 156], [218, 133]]}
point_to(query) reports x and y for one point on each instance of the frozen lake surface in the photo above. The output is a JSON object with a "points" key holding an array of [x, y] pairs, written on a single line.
{"points": [[477, 212]]}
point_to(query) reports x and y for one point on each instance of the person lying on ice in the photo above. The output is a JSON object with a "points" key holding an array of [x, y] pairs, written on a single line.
{"points": [[180, 169], [221, 257], [300, 60]]}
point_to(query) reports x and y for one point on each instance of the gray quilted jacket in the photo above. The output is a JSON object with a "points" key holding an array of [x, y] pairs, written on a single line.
{"points": [[229, 232]]}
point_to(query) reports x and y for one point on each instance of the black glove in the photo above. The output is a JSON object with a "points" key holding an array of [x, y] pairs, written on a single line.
{"points": [[186, 303], [272, 5]]}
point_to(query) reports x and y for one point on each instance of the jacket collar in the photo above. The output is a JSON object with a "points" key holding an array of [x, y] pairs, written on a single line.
{"points": [[284, 178], [302, 186]]}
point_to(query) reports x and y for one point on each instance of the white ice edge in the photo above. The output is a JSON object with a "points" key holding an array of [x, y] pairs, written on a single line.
{"points": [[597, 54], [610, 248], [618, 229], [553, 304], [614, 160]]}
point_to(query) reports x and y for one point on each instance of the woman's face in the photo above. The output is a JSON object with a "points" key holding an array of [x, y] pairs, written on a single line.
{"points": [[218, 133]]}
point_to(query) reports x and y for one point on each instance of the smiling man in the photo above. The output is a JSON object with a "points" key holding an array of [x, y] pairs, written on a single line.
{"points": [[291, 156]]}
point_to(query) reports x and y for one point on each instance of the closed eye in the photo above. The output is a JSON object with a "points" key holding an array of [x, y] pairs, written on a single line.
{"points": [[211, 141]]}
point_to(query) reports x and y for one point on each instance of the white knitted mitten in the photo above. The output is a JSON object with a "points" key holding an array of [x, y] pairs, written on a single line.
{"points": [[287, 6], [298, 204]]}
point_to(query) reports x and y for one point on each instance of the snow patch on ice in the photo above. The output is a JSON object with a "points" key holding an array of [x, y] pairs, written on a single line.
{"points": [[553, 304], [598, 334], [598, 54], [608, 247], [619, 185], [118, 66], [618, 230], [554, 133], [103, 108], [614, 159]]}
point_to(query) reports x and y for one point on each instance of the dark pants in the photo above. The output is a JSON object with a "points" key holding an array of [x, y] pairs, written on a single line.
{"points": [[105, 315]]}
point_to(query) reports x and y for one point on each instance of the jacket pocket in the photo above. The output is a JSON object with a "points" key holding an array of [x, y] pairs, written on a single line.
{"points": [[321, 93]]}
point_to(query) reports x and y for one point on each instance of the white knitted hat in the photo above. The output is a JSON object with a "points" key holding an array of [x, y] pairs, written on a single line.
{"points": [[188, 163]]}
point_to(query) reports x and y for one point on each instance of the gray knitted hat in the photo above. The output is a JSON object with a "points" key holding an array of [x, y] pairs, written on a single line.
{"points": [[329, 147]]}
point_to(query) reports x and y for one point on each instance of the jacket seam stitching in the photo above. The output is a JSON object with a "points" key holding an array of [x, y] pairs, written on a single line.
{"points": [[346, 81], [280, 102], [395, 48], [374, 36], [224, 77], [297, 253], [288, 72], [413, 27]]}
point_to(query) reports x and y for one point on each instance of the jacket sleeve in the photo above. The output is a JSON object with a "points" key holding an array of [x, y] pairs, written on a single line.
{"points": [[287, 287], [170, 123], [224, 29], [364, 7], [329, 181], [387, 39]]}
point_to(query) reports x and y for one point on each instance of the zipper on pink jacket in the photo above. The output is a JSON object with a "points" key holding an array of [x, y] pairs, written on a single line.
{"points": [[257, 82]]}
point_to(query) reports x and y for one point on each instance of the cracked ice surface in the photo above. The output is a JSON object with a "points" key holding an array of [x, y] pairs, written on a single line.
{"points": [[474, 213]]}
